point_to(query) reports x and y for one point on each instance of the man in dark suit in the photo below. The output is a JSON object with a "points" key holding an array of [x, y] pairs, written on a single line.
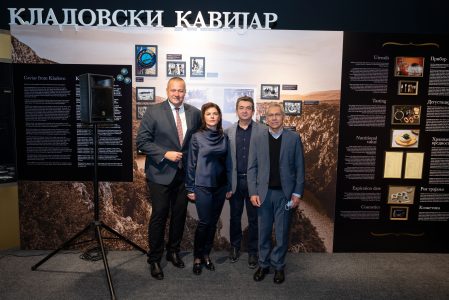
{"points": [[241, 136], [275, 177], [164, 136]]}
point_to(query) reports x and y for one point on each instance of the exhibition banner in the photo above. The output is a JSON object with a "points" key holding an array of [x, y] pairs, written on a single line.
{"points": [[371, 109], [393, 162]]}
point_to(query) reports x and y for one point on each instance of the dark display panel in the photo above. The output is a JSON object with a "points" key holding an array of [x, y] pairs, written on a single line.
{"points": [[393, 165], [52, 142]]}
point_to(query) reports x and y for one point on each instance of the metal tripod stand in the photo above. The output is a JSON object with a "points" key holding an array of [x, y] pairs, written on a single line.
{"points": [[96, 225]]}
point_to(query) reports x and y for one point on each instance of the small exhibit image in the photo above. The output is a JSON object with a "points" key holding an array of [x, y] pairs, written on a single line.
{"points": [[407, 87], [270, 91], [232, 94], [197, 96], [406, 114], [146, 94], [197, 67], [399, 213], [404, 138], [140, 110], [263, 120], [414, 163], [292, 107], [176, 68], [409, 66], [146, 60], [393, 164], [401, 194]]}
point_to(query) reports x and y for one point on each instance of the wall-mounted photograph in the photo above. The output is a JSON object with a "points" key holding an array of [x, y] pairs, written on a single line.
{"points": [[230, 96], [269, 91], [404, 138], [146, 60], [197, 67], [197, 96], [408, 87], [176, 68], [140, 110], [292, 107], [409, 66], [146, 94], [406, 114]]}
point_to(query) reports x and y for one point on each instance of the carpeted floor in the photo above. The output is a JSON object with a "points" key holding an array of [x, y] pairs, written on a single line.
{"points": [[308, 276]]}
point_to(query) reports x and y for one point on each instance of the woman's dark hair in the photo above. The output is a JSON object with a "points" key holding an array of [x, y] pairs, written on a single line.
{"points": [[205, 107]]}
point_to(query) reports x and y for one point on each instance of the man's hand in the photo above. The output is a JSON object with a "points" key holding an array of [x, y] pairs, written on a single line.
{"points": [[229, 195], [255, 200], [295, 201], [173, 156]]}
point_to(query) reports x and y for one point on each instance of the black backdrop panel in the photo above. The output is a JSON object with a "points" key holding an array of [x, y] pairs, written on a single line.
{"points": [[7, 145], [393, 179], [52, 143]]}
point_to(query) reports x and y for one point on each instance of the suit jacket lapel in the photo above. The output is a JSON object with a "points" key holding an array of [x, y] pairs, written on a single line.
{"points": [[266, 147], [189, 122], [172, 122], [284, 145]]}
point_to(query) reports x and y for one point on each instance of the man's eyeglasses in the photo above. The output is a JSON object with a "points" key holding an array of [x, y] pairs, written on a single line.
{"points": [[274, 115]]}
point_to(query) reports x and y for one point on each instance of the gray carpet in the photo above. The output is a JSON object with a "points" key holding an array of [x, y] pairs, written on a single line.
{"points": [[308, 276]]}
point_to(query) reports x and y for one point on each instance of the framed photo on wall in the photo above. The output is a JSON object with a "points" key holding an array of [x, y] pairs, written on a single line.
{"points": [[270, 91], [145, 94], [176, 68], [140, 110], [230, 96], [146, 60], [292, 107], [197, 66]]}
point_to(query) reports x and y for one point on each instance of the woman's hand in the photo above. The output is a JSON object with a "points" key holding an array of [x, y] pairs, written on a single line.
{"points": [[191, 196]]}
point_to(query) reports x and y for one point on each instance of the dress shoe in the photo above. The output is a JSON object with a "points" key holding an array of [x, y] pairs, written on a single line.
{"points": [[156, 271], [175, 259], [234, 254], [260, 273], [196, 268], [209, 264], [252, 261], [279, 276]]}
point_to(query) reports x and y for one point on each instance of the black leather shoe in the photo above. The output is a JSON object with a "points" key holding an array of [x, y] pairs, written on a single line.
{"points": [[175, 259], [279, 276], [234, 255], [260, 273], [156, 271], [252, 261], [196, 268], [209, 264]]}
